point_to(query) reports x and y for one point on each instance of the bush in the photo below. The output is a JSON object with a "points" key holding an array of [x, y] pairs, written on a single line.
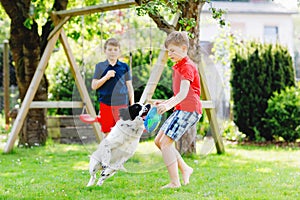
{"points": [[231, 132], [62, 90], [203, 127], [283, 114], [141, 71], [65, 89], [258, 70]]}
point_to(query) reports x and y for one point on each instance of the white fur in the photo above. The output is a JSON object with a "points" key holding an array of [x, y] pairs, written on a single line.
{"points": [[115, 149]]}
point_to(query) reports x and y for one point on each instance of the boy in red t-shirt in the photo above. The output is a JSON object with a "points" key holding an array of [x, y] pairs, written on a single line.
{"points": [[188, 108]]}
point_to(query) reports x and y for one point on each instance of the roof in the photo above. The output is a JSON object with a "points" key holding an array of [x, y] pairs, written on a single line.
{"points": [[250, 8]]}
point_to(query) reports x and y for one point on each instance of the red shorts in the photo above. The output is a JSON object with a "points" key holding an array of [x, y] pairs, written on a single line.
{"points": [[109, 115]]}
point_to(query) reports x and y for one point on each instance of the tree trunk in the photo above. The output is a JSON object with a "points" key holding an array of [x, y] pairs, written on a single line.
{"points": [[191, 9], [27, 47], [187, 143]]}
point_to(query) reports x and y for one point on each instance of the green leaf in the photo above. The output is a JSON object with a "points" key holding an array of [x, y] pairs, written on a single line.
{"points": [[28, 23]]}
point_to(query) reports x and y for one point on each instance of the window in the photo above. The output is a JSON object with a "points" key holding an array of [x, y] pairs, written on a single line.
{"points": [[270, 34]]}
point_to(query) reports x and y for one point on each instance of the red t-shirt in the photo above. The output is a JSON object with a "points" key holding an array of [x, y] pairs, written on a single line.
{"points": [[187, 70]]}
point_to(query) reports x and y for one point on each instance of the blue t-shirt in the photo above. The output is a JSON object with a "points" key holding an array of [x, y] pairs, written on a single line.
{"points": [[114, 91]]}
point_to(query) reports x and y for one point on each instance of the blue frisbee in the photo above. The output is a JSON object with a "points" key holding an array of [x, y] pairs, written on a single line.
{"points": [[152, 120]]}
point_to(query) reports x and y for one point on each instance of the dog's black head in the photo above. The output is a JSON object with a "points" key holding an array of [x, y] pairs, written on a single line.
{"points": [[133, 111]]}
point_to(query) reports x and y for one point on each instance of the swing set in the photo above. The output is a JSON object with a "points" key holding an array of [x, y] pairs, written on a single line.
{"points": [[88, 114]]}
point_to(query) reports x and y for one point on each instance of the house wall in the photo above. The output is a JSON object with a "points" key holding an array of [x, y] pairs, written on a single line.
{"points": [[250, 27]]}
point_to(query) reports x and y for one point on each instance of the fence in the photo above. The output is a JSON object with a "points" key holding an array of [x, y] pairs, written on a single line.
{"points": [[8, 86]]}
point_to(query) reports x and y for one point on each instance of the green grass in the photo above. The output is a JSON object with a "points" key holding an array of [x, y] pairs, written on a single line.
{"points": [[61, 172]]}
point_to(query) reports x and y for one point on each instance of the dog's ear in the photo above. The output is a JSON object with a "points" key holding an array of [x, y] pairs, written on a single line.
{"points": [[148, 106], [124, 114], [134, 110]]}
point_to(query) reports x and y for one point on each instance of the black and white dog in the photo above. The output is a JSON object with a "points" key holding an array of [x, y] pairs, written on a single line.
{"points": [[120, 144]]}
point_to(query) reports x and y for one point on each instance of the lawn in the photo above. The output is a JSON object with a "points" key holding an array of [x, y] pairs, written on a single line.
{"points": [[61, 172]]}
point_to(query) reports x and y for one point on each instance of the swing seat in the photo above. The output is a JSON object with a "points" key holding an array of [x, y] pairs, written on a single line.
{"points": [[86, 118]]}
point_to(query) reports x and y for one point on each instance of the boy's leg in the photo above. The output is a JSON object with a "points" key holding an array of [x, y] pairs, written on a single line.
{"points": [[110, 115], [170, 159], [106, 118], [161, 132], [186, 170], [182, 120], [158, 138]]}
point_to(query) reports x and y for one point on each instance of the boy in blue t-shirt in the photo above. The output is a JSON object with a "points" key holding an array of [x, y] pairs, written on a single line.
{"points": [[113, 82]]}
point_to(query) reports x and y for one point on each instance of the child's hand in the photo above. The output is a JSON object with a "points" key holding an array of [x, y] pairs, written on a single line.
{"points": [[156, 103], [161, 108], [110, 73]]}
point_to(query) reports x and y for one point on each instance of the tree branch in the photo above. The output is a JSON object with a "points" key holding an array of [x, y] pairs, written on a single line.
{"points": [[160, 21], [48, 27]]}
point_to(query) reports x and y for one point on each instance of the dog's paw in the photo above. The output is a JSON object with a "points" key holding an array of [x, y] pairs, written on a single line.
{"points": [[94, 165], [100, 182], [92, 181]]}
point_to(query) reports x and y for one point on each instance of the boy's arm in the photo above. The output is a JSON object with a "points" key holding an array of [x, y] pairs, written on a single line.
{"points": [[130, 92], [170, 103], [96, 83]]}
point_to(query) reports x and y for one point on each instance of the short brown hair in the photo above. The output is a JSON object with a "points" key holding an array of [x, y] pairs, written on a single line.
{"points": [[112, 42], [177, 38]]}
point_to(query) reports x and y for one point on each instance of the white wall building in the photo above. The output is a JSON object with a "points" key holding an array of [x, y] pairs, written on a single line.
{"points": [[265, 21]]}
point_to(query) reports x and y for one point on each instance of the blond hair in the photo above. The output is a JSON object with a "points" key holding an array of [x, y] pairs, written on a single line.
{"points": [[177, 38], [112, 42]]}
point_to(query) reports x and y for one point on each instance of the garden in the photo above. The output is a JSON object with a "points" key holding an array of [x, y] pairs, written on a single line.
{"points": [[59, 171], [252, 86]]}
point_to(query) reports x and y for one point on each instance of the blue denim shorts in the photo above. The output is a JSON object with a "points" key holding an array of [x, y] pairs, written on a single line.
{"points": [[178, 123]]}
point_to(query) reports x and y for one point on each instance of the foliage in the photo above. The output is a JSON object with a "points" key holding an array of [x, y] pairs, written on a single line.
{"points": [[61, 172], [154, 7], [224, 46], [218, 14], [258, 70], [4, 31], [38, 12], [142, 62], [141, 67], [203, 125], [231, 131], [283, 114], [63, 89], [169, 8]]}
